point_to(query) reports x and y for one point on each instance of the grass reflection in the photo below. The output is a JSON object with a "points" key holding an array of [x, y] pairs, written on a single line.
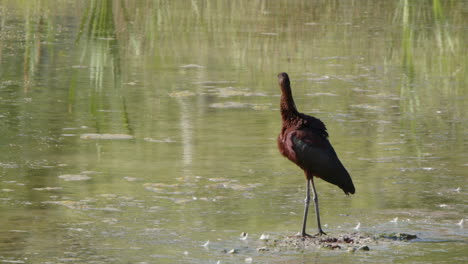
{"points": [[429, 51], [99, 43]]}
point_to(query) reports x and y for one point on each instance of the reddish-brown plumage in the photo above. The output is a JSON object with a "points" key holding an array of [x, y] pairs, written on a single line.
{"points": [[304, 140]]}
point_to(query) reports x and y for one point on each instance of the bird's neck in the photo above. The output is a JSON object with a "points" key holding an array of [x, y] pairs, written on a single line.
{"points": [[287, 105]]}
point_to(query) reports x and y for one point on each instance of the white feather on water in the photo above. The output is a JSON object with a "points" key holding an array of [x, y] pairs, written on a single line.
{"points": [[357, 226]]}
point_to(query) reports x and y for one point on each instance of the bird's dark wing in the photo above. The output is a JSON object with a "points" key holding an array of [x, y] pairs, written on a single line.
{"points": [[315, 154], [310, 122]]}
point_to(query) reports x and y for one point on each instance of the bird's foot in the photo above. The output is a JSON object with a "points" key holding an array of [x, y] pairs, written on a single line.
{"points": [[305, 235], [320, 233]]}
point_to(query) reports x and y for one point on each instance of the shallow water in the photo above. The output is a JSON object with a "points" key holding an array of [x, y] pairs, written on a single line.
{"points": [[135, 131]]}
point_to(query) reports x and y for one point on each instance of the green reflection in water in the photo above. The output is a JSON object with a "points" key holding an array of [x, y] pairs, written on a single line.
{"points": [[194, 84]]}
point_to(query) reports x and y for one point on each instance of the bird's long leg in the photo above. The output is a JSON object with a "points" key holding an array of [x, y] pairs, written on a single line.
{"points": [[306, 210], [320, 231]]}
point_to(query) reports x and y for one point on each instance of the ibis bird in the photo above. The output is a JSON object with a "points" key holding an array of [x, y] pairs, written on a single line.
{"points": [[304, 140]]}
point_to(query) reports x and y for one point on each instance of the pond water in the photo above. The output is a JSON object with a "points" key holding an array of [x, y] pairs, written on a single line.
{"points": [[136, 131]]}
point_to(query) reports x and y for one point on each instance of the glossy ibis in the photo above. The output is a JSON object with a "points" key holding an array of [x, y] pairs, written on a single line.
{"points": [[304, 141]]}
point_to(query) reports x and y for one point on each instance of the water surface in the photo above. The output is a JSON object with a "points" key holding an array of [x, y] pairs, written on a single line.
{"points": [[136, 131]]}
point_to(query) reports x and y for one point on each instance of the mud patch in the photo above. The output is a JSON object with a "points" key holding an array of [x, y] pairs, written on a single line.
{"points": [[350, 242]]}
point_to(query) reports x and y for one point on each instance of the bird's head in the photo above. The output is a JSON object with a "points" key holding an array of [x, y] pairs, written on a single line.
{"points": [[283, 79]]}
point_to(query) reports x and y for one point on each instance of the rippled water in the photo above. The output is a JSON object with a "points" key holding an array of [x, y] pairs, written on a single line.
{"points": [[135, 131]]}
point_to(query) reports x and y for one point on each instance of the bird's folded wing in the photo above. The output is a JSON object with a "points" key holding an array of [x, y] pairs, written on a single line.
{"points": [[312, 150], [315, 154]]}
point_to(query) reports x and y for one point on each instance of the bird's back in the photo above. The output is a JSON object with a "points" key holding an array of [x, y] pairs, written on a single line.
{"points": [[314, 153]]}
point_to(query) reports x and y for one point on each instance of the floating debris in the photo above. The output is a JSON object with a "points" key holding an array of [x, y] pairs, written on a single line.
{"points": [[108, 39], [321, 78], [48, 188], [232, 91], [229, 184], [364, 248], [12, 261], [264, 237], [18, 231], [181, 200], [68, 135], [248, 260], [206, 244], [76, 229], [230, 105], [384, 96], [79, 66], [238, 105], [331, 246], [368, 107], [184, 93], [358, 226], [111, 221], [213, 82], [159, 187], [107, 209], [351, 249], [220, 180], [240, 187], [395, 220], [427, 168], [399, 142], [109, 111], [322, 94], [461, 222], [130, 179], [68, 204], [260, 106], [191, 66], [90, 172], [105, 136], [263, 249], [244, 236], [233, 251], [108, 195], [166, 140], [9, 165], [74, 177]]}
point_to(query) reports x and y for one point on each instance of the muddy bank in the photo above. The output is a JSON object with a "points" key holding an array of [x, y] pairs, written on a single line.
{"points": [[351, 242]]}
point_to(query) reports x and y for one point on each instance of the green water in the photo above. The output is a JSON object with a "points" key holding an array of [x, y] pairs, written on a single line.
{"points": [[136, 131]]}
